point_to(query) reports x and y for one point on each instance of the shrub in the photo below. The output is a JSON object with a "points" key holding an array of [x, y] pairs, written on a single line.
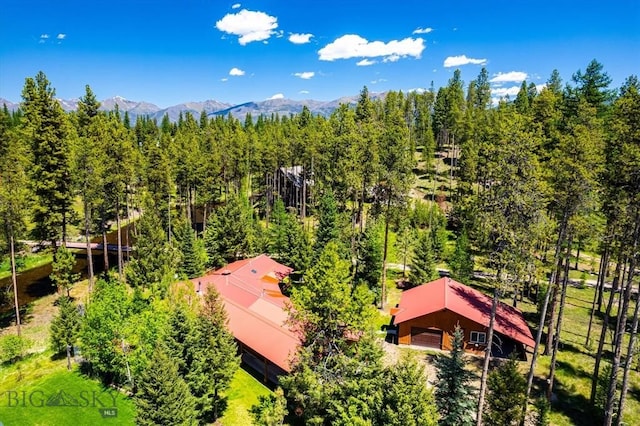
{"points": [[13, 347]]}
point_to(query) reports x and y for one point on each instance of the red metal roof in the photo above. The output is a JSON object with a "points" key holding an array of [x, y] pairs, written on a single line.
{"points": [[255, 306], [465, 301]]}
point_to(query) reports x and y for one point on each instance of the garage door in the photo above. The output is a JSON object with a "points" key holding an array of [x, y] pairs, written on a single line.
{"points": [[427, 337]]}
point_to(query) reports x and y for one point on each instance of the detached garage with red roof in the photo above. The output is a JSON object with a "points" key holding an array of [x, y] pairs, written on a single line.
{"points": [[427, 315], [256, 311]]}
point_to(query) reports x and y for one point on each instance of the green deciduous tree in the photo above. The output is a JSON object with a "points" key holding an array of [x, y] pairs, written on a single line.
{"points": [[102, 331]]}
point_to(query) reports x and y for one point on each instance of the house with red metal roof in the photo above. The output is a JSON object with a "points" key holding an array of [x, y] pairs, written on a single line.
{"points": [[255, 305], [427, 316]]}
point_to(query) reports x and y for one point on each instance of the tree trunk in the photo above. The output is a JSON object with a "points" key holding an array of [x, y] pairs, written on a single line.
{"points": [[543, 314], [14, 279], [603, 334], [577, 255], [552, 313], [596, 294], [105, 253], [383, 290], [556, 337], [602, 276], [627, 365], [620, 330], [119, 230], [87, 236], [487, 358], [68, 357]]}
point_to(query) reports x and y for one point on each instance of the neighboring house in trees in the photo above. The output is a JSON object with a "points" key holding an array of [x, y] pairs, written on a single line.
{"points": [[250, 290], [427, 315], [293, 187]]}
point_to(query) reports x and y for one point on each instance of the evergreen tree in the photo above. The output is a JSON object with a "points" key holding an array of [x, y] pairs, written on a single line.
{"points": [[461, 262], [163, 397], [65, 328], [270, 410], [228, 234], [153, 261], [423, 269], [506, 390], [327, 306], [453, 394], [212, 351], [45, 125], [328, 229], [191, 259], [62, 274], [408, 400], [289, 242], [180, 332], [14, 194], [369, 265]]}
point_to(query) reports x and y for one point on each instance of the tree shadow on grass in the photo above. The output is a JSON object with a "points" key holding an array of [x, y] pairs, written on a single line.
{"points": [[574, 405]]}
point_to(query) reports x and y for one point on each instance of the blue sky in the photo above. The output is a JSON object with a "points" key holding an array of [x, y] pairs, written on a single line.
{"points": [[168, 52]]}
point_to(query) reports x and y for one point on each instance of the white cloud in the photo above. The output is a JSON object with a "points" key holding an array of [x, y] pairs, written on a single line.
{"points": [[354, 46], [504, 91], [509, 77], [248, 25], [304, 92], [276, 96], [380, 80], [300, 38], [224, 79], [456, 61], [392, 58], [61, 36], [417, 90], [236, 72], [366, 63], [305, 75], [421, 30], [44, 36], [539, 87], [236, 6]]}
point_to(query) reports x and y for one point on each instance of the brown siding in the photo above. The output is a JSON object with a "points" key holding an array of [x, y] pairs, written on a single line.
{"points": [[446, 321]]}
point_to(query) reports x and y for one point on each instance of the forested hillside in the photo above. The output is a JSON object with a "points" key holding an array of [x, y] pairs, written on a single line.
{"points": [[511, 197]]}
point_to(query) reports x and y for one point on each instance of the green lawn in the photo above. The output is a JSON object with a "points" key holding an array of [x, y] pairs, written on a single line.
{"points": [[39, 391], [24, 263], [243, 393], [575, 364]]}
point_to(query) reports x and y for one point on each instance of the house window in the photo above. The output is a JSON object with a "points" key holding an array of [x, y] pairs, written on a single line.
{"points": [[478, 337]]}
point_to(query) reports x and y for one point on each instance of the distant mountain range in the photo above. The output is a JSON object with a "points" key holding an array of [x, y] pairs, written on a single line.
{"points": [[211, 107]]}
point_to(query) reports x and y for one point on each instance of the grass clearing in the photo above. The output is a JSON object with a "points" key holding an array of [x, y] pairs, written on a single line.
{"points": [[241, 396], [40, 391], [575, 363]]}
